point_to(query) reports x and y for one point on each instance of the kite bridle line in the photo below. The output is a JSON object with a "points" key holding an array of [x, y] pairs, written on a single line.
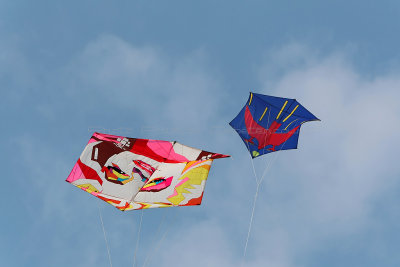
{"points": [[158, 231], [162, 238], [163, 219], [267, 168], [138, 238], [104, 232], [256, 193], [141, 216], [254, 170], [258, 184]]}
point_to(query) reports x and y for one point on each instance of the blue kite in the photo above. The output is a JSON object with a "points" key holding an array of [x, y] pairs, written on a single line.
{"points": [[268, 123]]}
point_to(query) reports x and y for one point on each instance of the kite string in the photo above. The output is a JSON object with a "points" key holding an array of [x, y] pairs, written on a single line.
{"points": [[138, 238], [253, 209], [252, 164], [141, 216], [250, 223], [154, 251], [156, 235], [270, 163], [104, 233], [255, 198], [258, 183]]}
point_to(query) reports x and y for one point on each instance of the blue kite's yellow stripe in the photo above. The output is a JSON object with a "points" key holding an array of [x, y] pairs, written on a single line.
{"points": [[289, 124], [291, 113], [251, 98], [263, 113], [284, 105]]}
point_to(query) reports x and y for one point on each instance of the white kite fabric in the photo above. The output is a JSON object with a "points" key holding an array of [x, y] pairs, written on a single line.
{"points": [[131, 173]]}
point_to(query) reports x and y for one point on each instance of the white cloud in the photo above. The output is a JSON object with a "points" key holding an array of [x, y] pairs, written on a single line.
{"points": [[110, 76], [171, 93], [345, 162], [323, 191]]}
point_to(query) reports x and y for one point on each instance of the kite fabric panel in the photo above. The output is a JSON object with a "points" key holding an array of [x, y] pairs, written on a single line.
{"points": [[131, 173], [267, 123]]}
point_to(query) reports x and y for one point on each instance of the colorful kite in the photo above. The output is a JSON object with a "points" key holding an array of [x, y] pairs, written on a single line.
{"points": [[267, 123], [131, 173]]}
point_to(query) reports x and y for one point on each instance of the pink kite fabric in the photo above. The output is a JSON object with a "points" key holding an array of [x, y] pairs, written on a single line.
{"points": [[165, 149]]}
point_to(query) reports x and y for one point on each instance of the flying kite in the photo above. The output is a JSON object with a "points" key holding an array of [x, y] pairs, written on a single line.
{"points": [[267, 123], [131, 173]]}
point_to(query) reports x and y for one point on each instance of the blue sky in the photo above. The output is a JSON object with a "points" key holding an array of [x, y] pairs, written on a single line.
{"points": [[181, 70]]}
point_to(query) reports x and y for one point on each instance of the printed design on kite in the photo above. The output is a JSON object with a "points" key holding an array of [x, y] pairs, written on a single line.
{"points": [[131, 173], [123, 167], [89, 188], [194, 174], [157, 184], [115, 175], [143, 167], [266, 137]]}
